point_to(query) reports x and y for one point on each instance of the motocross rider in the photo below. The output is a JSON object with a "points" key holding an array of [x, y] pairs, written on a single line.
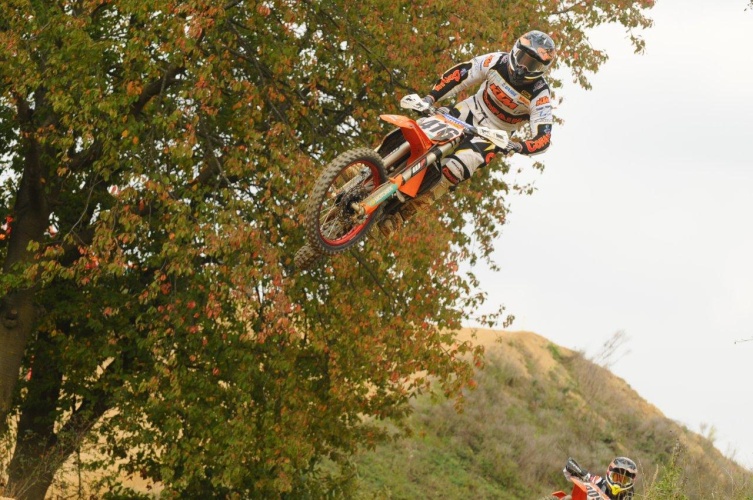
{"points": [[512, 93], [617, 484]]}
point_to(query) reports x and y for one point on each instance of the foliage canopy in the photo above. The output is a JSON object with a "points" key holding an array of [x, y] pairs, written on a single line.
{"points": [[154, 155]]}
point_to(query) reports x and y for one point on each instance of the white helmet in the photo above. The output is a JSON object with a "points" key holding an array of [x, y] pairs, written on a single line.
{"points": [[531, 56]]}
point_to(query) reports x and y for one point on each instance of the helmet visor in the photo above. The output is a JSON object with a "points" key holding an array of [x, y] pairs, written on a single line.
{"points": [[522, 58], [620, 478]]}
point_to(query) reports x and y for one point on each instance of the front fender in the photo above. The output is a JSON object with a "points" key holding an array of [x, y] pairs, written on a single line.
{"points": [[419, 142], [419, 145]]}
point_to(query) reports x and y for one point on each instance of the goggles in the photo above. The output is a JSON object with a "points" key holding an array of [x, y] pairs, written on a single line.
{"points": [[521, 58], [621, 479]]}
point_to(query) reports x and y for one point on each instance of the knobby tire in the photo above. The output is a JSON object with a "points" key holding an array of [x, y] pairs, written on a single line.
{"points": [[332, 230], [306, 257]]}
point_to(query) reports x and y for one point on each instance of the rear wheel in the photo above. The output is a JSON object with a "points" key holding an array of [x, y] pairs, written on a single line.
{"points": [[331, 223], [306, 257]]}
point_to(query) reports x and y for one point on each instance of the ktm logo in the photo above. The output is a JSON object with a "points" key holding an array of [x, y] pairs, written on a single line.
{"points": [[542, 100], [502, 114], [502, 96], [452, 77], [488, 61]]}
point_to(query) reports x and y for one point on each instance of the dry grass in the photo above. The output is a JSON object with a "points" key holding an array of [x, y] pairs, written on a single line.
{"points": [[535, 405]]}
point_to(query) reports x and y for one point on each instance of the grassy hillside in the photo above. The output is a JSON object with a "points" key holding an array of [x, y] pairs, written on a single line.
{"points": [[535, 405]]}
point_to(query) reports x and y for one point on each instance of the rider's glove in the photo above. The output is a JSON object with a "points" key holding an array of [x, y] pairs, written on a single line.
{"points": [[429, 100], [513, 147]]}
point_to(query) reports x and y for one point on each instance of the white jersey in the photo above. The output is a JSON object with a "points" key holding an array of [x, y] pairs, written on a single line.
{"points": [[499, 104]]}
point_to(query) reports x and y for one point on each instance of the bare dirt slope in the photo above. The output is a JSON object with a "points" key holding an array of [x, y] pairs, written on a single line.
{"points": [[526, 348]]}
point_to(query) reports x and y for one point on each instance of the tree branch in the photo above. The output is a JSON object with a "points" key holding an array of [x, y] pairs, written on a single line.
{"points": [[155, 88]]}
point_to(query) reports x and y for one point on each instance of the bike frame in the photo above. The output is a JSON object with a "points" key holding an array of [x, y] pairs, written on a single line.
{"points": [[447, 132], [403, 159]]}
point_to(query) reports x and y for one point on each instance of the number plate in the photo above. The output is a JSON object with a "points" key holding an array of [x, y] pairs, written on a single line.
{"points": [[440, 130]]}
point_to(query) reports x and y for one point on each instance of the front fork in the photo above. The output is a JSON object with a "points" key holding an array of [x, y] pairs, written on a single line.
{"points": [[384, 192]]}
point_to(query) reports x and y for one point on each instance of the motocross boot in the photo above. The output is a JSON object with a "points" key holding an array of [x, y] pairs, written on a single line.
{"points": [[393, 222]]}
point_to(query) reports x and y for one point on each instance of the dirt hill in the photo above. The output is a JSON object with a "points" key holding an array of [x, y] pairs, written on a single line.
{"points": [[536, 404]]}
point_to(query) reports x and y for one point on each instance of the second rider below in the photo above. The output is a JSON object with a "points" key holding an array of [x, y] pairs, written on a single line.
{"points": [[512, 92]]}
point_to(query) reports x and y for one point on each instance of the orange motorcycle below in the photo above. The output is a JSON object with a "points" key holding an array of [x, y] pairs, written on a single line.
{"points": [[583, 489]]}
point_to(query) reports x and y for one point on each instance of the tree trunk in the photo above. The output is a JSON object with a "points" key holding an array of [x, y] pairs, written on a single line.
{"points": [[33, 467], [17, 312], [31, 487], [16, 322], [38, 453], [45, 441]]}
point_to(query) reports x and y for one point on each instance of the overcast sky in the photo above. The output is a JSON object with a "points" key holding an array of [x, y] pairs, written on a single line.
{"points": [[642, 219]]}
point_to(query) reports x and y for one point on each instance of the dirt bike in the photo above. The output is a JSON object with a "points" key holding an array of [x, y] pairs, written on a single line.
{"points": [[582, 489], [362, 186]]}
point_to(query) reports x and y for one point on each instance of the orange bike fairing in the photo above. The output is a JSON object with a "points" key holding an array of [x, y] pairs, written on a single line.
{"points": [[411, 187], [419, 144]]}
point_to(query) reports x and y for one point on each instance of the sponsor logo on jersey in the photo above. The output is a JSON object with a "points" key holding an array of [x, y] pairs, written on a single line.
{"points": [[502, 97], [503, 87], [501, 114], [488, 61], [544, 112], [542, 100], [508, 89], [539, 143], [455, 76], [516, 96]]}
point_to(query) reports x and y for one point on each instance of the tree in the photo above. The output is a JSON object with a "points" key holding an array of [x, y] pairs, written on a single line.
{"points": [[154, 158]]}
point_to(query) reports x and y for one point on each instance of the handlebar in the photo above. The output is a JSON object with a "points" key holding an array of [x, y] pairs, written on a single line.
{"points": [[499, 138], [573, 468]]}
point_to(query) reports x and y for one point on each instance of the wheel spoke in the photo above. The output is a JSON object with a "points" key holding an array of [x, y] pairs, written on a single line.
{"points": [[333, 224], [330, 222], [332, 228]]}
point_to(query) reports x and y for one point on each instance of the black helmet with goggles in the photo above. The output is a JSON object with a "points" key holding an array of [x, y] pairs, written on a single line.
{"points": [[621, 475]]}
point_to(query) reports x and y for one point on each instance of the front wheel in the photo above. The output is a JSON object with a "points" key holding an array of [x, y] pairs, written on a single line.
{"points": [[331, 223]]}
